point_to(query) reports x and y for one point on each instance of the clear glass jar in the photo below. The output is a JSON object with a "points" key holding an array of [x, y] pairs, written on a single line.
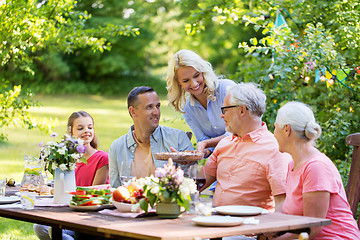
{"points": [[32, 179]]}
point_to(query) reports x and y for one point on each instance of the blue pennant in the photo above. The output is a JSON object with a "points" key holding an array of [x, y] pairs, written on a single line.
{"points": [[280, 20]]}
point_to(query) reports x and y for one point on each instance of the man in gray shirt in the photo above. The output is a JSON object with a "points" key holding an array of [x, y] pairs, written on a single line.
{"points": [[132, 153]]}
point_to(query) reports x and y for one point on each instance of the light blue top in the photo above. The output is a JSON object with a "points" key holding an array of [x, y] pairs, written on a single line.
{"points": [[123, 150], [207, 123]]}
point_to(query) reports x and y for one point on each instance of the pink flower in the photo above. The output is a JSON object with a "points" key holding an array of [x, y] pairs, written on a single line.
{"points": [[160, 172], [179, 176]]}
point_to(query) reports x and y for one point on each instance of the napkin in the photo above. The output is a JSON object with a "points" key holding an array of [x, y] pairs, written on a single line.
{"points": [[117, 213], [48, 202]]}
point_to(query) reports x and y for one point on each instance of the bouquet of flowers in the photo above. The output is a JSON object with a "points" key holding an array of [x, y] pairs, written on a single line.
{"points": [[168, 186], [63, 154]]}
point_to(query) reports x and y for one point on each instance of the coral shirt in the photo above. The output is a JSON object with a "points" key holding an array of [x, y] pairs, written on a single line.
{"points": [[249, 170], [320, 174], [85, 173]]}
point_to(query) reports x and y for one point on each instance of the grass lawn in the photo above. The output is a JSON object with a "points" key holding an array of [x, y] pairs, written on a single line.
{"points": [[111, 121]]}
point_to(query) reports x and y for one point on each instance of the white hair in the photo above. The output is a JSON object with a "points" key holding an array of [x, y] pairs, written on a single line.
{"points": [[249, 95], [186, 58], [301, 119]]}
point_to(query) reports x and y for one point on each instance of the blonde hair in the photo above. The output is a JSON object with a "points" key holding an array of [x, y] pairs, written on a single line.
{"points": [[301, 120], [176, 94]]}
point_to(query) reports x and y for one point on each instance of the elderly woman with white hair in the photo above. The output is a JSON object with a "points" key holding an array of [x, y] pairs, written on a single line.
{"points": [[313, 187], [195, 90]]}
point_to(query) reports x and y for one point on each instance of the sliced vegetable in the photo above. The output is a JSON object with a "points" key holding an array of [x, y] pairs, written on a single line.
{"points": [[87, 196], [78, 192]]}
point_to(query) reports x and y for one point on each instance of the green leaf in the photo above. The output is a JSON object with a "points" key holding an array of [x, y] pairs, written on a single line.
{"points": [[152, 198], [166, 194], [144, 205], [254, 41]]}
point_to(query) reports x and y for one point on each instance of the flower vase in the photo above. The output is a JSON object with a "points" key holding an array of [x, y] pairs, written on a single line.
{"points": [[168, 210], [64, 182]]}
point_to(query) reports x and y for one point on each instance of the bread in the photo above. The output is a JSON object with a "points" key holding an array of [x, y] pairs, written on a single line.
{"points": [[31, 188], [45, 190], [42, 190]]}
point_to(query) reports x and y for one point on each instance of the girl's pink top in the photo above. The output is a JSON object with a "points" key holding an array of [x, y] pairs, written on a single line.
{"points": [[320, 174], [85, 173]]}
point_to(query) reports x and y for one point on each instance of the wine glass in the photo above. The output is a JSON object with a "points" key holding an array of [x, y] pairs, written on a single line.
{"points": [[197, 173]]}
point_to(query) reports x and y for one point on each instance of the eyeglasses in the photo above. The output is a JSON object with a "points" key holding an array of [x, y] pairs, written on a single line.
{"points": [[223, 108]]}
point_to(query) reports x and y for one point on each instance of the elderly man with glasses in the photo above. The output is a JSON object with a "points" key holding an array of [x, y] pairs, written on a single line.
{"points": [[248, 166]]}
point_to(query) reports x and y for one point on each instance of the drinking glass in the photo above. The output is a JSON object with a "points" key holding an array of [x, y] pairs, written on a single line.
{"points": [[127, 172], [203, 207], [2, 187], [195, 197], [27, 200], [197, 173]]}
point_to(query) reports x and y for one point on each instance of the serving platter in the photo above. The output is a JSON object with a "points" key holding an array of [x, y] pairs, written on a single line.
{"points": [[37, 195], [91, 208], [180, 156]]}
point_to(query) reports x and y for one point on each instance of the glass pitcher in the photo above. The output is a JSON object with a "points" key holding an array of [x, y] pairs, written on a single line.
{"points": [[32, 178]]}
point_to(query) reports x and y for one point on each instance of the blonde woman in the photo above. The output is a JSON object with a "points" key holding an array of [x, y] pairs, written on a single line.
{"points": [[313, 187], [196, 92]]}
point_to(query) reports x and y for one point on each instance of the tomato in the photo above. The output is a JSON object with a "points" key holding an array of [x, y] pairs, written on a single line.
{"points": [[89, 203], [78, 192]]}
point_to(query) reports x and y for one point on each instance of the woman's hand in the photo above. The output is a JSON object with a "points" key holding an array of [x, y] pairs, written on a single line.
{"points": [[200, 146], [181, 162]]}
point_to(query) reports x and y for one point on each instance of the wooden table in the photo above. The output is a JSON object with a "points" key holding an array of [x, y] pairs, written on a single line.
{"points": [[152, 227]]}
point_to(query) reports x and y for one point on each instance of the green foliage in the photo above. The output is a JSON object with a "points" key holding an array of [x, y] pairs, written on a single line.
{"points": [[319, 36], [13, 111], [28, 29]]}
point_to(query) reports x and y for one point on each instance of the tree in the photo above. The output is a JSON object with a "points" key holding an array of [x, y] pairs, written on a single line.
{"points": [[30, 27], [307, 51]]}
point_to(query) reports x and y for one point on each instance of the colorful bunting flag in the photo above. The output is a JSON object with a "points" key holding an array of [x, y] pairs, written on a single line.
{"points": [[280, 20]]}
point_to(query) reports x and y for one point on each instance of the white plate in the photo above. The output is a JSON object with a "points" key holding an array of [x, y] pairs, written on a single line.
{"points": [[37, 196], [10, 199], [44, 196], [91, 208], [214, 221], [239, 210]]}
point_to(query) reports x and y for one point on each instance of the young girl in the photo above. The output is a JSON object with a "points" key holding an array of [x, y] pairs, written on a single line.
{"points": [[94, 172]]}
